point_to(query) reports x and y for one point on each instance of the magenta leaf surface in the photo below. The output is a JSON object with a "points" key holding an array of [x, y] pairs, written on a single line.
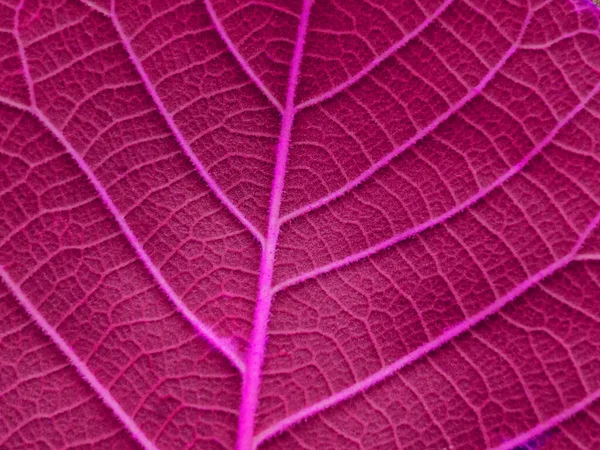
{"points": [[304, 224]]}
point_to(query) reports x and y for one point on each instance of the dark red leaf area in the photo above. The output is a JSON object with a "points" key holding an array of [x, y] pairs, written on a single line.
{"points": [[45, 403], [264, 33], [82, 276], [423, 245]]}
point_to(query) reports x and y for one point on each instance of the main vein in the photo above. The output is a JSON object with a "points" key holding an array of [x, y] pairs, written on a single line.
{"points": [[258, 339]]}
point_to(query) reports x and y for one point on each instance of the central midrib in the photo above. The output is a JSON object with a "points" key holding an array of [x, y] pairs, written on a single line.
{"points": [[255, 357]]}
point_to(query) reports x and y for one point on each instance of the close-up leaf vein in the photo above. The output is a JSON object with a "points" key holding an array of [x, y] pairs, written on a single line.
{"points": [[303, 224]]}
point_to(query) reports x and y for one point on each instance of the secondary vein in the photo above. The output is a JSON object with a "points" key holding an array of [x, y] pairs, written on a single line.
{"points": [[425, 349], [201, 328], [79, 365], [181, 140]]}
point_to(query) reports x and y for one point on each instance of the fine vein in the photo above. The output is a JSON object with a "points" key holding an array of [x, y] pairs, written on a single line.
{"points": [[239, 58], [79, 365], [201, 328], [430, 346], [181, 140], [421, 134], [378, 60], [95, 7], [554, 421], [258, 339], [515, 169]]}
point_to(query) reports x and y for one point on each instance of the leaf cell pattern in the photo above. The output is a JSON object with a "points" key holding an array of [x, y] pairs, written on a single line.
{"points": [[311, 224]]}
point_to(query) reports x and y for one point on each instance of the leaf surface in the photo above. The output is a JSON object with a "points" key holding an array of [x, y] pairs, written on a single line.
{"points": [[302, 224]]}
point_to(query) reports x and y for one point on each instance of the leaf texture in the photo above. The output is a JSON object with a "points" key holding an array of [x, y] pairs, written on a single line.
{"points": [[306, 224]]}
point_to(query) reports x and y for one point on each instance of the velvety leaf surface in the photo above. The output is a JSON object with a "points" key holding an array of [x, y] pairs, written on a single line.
{"points": [[312, 224]]}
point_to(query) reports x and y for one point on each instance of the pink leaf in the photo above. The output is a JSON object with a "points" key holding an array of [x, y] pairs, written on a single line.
{"points": [[311, 224]]}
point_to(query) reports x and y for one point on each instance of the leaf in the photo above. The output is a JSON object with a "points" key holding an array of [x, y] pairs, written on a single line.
{"points": [[301, 224]]}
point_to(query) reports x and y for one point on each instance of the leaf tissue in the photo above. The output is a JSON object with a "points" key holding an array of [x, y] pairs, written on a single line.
{"points": [[299, 224]]}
